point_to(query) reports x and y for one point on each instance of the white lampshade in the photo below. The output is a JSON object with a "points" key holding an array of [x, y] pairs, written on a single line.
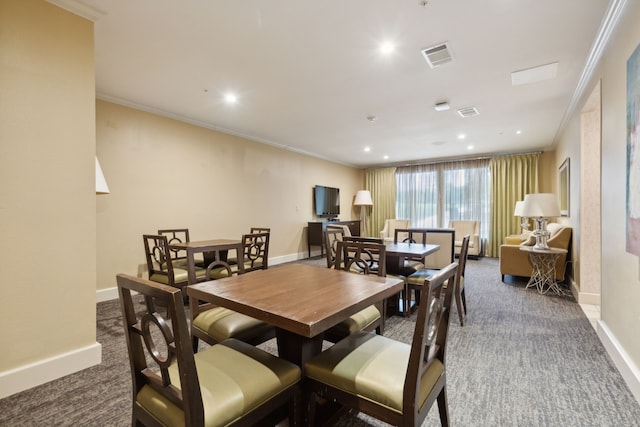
{"points": [[540, 205], [363, 198], [101, 183], [518, 210]]}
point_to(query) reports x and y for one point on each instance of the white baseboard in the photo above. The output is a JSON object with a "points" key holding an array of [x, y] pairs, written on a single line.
{"points": [[43, 371], [108, 294], [621, 359]]}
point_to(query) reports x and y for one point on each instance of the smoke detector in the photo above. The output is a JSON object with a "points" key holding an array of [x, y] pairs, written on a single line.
{"points": [[442, 106], [437, 55]]}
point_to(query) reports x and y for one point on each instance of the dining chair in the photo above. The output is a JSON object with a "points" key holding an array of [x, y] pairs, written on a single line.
{"points": [[179, 256], [360, 257], [389, 380], [332, 235], [160, 264], [255, 248], [416, 280], [213, 324], [228, 383], [253, 230], [445, 238]]}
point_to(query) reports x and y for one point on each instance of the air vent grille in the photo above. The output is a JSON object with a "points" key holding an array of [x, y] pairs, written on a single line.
{"points": [[468, 112], [437, 55]]}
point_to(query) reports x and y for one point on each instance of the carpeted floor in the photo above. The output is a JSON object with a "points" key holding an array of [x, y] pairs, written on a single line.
{"points": [[522, 359]]}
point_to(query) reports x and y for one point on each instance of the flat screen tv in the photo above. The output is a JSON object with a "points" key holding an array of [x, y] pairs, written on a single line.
{"points": [[326, 201]]}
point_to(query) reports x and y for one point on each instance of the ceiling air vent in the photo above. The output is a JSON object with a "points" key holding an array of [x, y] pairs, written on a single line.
{"points": [[468, 112], [437, 55]]}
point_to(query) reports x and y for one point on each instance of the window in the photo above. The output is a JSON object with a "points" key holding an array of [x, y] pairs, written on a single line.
{"points": [[432, 195]]}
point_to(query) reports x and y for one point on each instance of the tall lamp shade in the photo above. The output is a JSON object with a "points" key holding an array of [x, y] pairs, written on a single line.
{"points": [[524, 224], [363, 199], [101, 183]]}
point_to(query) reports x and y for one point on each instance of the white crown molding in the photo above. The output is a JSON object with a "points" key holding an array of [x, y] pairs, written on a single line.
{"points": [[607, 26], [80, 8]]}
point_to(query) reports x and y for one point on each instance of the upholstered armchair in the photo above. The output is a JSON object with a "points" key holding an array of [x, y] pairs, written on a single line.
{"points": [[472, 228], [515, 262], [388, 232]]}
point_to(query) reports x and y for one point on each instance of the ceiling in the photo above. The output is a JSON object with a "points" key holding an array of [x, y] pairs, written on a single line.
{"points": [[310, 76]]}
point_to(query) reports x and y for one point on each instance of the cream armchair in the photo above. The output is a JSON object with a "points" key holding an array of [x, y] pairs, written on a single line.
{"points": [[388, 232], [472, 228]]}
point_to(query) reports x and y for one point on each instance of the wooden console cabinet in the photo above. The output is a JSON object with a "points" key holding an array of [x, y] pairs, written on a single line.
{"points": [[315, 232]]}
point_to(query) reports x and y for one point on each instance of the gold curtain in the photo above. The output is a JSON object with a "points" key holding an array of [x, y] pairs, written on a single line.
{"points": [[382, 185], [511, 178]]}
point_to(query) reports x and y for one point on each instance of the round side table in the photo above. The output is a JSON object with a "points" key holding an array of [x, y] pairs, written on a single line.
{"points": [[543, 262]]}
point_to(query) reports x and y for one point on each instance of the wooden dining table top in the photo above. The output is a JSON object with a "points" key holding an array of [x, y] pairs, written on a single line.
{"points": [[406, 249], [302, 299], [203, 245]]}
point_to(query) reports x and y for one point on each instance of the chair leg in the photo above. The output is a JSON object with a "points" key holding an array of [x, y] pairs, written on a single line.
{"points": [[194, 343], [464, 301], [459, 307], [443, 408], [406, 301]]}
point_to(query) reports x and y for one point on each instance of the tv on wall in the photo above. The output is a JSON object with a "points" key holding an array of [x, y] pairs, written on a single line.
{"points": [[326, 201]]}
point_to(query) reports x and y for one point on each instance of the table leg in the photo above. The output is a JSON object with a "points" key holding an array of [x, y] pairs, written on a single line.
{"points": [[543, 277], [296, 348]]}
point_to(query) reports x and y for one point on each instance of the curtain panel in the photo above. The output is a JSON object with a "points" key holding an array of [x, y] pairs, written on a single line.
{"points": [[382, 185], [511, 178]]}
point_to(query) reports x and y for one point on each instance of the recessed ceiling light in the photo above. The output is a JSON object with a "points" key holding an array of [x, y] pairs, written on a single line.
{"points": [[386, 48], [231, 98], [470, 147], [367, 149], [461, 136], [372, 118], [385, 157], [518, 132]]}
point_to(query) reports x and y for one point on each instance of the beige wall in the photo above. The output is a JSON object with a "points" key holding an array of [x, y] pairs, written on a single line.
{"points": [[620, 286], [163, 173], [47, 193]]}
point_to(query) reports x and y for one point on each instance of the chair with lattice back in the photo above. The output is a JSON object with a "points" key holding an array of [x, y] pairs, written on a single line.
{"points": [[174, 386], [359, 257], [387, 379]]}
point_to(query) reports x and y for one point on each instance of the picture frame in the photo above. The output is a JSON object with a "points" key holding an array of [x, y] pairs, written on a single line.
{"points": [[564, 186]]}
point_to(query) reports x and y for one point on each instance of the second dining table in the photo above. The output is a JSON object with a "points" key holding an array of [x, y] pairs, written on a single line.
{"points": [[301, 301], [212, 250]]}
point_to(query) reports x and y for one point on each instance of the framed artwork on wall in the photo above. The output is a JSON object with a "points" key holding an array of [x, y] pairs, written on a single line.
{"points": [[563, 187], [633, 153]]}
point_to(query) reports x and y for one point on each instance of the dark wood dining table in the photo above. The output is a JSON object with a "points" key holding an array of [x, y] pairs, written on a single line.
{"points": [[212, 250], [396, 253], [301, 301]]}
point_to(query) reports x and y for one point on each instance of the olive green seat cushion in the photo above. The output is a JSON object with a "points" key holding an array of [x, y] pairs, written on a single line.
{"points": [[372, 367], [221, 323], [357, 322], [235, 378]]}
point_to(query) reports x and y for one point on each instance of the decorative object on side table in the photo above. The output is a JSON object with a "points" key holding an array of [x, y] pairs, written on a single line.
{"points": [[541, 207]]}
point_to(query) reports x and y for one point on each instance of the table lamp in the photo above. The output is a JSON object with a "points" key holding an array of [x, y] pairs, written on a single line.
{"points": [[540, 207], [518, 212], [363, 199]]}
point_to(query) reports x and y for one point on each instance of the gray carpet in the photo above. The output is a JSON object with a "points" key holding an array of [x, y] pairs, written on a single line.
{"points": [[522, 359]]}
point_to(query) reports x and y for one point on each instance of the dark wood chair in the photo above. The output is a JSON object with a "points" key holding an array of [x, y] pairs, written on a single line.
{"points": [[174, 386], [332, 236], [255, 251], [411, 235], [386, 379], [461, 298], [445, 237], [160, 264], [360, 257], [214, 324], [179, 257]]}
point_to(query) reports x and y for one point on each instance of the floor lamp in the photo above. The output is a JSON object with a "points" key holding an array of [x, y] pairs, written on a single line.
{"points": [[363, 199]]}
